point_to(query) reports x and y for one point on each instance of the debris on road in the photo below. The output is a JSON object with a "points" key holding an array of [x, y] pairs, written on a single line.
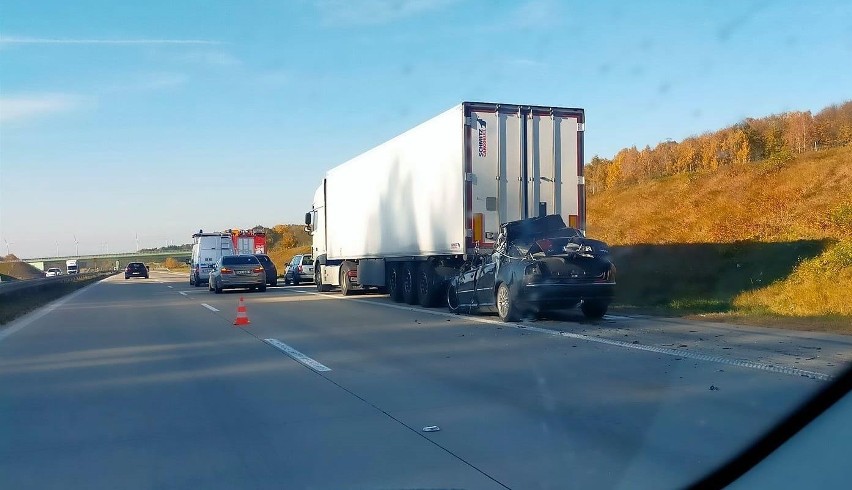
{"points": [[431, 428], [714, 388]]}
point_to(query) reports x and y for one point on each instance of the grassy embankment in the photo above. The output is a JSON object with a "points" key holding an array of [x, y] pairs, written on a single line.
{"points": [[760, 243]]}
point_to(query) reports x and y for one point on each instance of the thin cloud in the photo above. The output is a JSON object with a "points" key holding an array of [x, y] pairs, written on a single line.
{"points": [[27, 107], [17, 40], [210, 58], [367, 12]]}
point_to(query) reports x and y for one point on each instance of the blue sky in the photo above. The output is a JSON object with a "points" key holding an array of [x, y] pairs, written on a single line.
{"points": [[158, 118]]}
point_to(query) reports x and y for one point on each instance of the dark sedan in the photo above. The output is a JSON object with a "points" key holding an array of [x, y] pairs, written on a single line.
{"points": [[537, 265], [136, 269], [269, 267]]}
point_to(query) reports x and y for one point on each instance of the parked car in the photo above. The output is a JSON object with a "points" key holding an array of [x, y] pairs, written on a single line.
{"points": [[237, 271], [269, 267], [53, 272], [135, 269], [301, 268], [538, 264]]}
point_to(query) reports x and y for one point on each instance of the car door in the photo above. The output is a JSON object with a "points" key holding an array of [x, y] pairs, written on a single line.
{"points": [[485, 283], [465, 287]]}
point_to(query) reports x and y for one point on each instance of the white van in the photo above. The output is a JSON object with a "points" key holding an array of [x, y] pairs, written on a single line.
{"points": [[207, 248]]}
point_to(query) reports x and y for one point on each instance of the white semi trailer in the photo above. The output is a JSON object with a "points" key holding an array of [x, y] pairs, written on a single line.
{"points": [[404, 216]]}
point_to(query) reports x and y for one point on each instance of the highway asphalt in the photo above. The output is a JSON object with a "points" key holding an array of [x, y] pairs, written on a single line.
{"points": [[148, 384]]}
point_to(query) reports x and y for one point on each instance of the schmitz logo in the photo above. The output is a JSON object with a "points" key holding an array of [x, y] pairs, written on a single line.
{"points": [[483, 138]]}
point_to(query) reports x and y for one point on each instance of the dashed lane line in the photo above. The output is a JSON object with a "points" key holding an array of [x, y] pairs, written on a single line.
{"points": [[307, 361]]}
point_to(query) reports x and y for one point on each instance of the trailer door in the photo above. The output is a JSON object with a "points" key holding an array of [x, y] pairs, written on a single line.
{"points": [[526, 161], [554, 165]]}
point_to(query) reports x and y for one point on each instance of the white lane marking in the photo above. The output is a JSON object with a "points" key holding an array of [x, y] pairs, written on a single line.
{"points": [[617, 343], [25, 321], [208, 307], [617, 317], [307, 361], [182, 292], [170, 287]]}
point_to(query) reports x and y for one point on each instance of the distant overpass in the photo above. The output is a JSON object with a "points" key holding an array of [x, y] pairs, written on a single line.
{"points": [[107, 261]]}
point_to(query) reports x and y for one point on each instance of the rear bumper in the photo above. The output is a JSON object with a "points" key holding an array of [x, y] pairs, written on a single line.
{"points": [[238, 281], [556, 294]]}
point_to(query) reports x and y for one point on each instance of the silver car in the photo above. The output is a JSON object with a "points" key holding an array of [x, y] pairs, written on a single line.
{"points": [[237, 271], [299, 269]]}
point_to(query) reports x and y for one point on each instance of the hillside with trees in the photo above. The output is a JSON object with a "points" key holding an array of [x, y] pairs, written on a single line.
{"points": [[774, 139], [285, 241]]}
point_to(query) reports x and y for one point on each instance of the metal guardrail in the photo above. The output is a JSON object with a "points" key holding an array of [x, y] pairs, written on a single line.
{"points": [[176, 253], [7, 287]]}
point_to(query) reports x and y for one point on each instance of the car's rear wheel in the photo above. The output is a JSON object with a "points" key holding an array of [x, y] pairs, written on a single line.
{"points": [[217, 289], [409, 283], [452, 299], [594, 309], [394, 282], [506, 307], [198, 281]]}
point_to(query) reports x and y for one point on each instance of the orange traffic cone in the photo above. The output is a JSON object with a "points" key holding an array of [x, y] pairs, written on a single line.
{"points": [[242, 317]]}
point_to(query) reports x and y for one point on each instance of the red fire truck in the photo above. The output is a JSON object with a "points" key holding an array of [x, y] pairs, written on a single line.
{"points": [[249, 241]]}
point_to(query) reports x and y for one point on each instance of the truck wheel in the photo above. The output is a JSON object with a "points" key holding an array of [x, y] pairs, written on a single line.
{"points": [[506, 308], [317, 280], [394, 282], [593, 310], [409, 283], [427, 288], [345, 281]]}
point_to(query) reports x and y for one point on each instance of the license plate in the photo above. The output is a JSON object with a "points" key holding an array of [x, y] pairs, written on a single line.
{"points": [[242, 273]]}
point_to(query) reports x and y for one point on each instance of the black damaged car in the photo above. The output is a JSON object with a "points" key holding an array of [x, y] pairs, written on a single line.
{"points": [[537, 265]]}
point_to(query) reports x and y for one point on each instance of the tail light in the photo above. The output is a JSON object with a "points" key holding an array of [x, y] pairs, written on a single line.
{"points": [[225, 270], [352, 273], [257, 270]]}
